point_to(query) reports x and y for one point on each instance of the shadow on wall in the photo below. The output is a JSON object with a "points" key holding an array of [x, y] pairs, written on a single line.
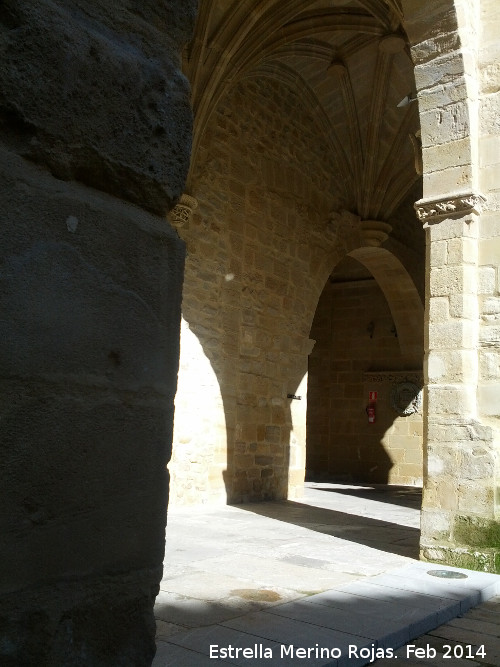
{"points": [[359, 362], [234, 435], [240, 422], [347, 447]]}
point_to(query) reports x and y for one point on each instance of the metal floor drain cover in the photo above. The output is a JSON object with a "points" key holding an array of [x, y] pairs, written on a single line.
{"points": [[447, 574]]}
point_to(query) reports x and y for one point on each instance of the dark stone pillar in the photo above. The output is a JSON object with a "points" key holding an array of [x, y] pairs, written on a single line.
{"points": [[94, 150]]}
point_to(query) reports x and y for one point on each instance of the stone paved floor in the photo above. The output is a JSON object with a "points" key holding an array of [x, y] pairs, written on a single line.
{"points": [[337, 568], [469, 641]]}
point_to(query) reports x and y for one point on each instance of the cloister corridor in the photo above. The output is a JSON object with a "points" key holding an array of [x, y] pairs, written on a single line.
{"points": [[249, 285]]}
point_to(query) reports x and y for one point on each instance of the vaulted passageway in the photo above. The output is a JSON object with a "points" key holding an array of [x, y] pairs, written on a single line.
{"points": [[90, 166], [310, 146], [360, 352], [301, 156]]}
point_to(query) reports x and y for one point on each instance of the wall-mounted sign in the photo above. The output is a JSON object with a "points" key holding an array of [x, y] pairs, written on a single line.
{"points": [[372, 396], [406, 398]]}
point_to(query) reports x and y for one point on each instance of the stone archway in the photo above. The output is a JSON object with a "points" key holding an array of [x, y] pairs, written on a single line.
{"points": [[456, 66], [368, 333], [401, 295], [288, 128], [273, 53]]}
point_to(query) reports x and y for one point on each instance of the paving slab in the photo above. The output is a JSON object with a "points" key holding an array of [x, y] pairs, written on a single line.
{"points": [[444, 646], [326, 581], [215, 639], [477, 587], [445, 607], [204, 586], [171, 654], [276, 573], [298, 634], [385, 630], [192, 613]]}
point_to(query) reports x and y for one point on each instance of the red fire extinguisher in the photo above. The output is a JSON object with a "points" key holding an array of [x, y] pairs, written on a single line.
{"points": [[370, 411]]}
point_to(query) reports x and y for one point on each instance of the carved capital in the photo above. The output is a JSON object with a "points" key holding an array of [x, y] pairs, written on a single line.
{"points": [[453, 206], [344, 225], [336, 68], [393, 43], [181, 213]]}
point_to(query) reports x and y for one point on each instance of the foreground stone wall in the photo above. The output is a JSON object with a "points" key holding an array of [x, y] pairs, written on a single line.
{"points": [[95, 133], [355, 333]]}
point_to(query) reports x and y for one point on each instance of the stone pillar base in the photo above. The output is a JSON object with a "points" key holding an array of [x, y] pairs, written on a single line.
{"points": [[104, 621], [481, 559]]}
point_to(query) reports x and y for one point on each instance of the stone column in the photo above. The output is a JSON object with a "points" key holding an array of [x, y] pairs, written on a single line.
{"points": [[459, 506], [94, 151], [458, 509]]}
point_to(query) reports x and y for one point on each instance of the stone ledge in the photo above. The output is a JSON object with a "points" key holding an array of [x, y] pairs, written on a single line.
{"points": [[453, 205], [394, 376]]}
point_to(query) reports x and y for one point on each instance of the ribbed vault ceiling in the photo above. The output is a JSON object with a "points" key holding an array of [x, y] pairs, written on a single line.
{"points": [[349, 61]]}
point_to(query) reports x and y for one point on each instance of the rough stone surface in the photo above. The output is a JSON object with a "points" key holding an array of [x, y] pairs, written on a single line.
{"points": [[122, 119], [94, 115], [88, 372]]}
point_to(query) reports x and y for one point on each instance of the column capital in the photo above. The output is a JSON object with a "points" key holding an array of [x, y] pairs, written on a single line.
{"points": [[374, 232], [182, 211], [431, 211]]}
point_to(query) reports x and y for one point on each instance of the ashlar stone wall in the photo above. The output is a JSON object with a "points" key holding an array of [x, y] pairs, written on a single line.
{"points": [[261, 242], [357, 351], [489, 242], [258, 254]]}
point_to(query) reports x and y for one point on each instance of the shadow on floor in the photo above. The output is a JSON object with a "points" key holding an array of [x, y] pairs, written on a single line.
{"points": [[383, 535], [349, 624], [405, 496]]}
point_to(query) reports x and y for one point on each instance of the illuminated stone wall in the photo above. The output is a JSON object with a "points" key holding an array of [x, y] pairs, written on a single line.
{"points": [[257, 257], [260, 246], [457, 78]]}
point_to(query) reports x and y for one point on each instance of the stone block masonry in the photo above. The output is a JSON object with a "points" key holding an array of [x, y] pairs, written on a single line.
{"points": [[257, 259], [460, 213], [259, 254], [355, 332], [299, 161], [94, 150]]}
